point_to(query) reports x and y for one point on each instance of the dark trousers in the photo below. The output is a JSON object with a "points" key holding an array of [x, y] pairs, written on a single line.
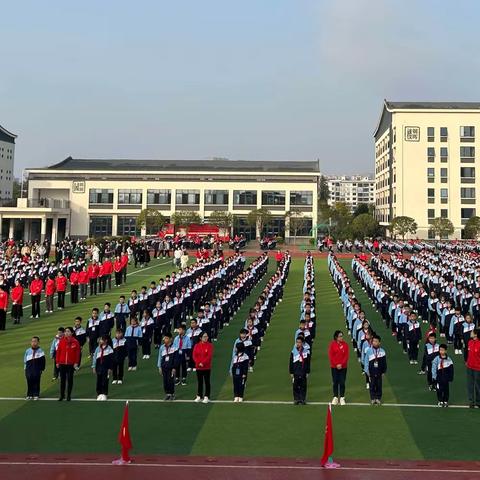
{"points": [[118, 278], [473, 386], [36, 305], [109, 281], [146, 345], [83, 290], [74, 293], [413, 350], [239, 385], [299, 388], [117, 369], [182, 368], [338, 378], [55, 369], [102, 283], [61, 300], [132, 357], [203, 377], [102, 383], [66, 380], [3, 319], [443, 391], [457, 341], [33, 384], [124, 274], [376, 387], [168, 381], [93, 286]]}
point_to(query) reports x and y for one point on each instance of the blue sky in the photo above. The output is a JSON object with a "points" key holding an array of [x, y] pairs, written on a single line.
{"points": [[256, 79]]}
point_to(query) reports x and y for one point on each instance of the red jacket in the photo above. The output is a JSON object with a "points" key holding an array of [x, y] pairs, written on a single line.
{"points": [[338, 354], [107, 267], [93, 270], [473, 360], [124, 260], [101, 270], [83, 277], [50, 287], [74, 278], [68, 351], [3, 299], [278, 256], [117, 266], [202, 354], [36, 286], [61, 283], [17, 295]]}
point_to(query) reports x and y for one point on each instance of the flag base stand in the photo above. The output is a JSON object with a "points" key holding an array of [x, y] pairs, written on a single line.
{"points": [[331, 464], [121, 461]]}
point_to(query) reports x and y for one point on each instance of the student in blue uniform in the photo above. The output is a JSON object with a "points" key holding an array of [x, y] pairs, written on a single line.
{"points": [[239, 371], [413, 334], [167, 360], [122, 312], [133, 336], [430, 352], [442, 375], [119, 345], [375, 368], [183, 347], [102, 364], [34, 365], [299, 370]]}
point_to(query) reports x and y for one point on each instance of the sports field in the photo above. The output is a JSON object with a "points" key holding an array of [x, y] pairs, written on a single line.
{"points": [[407, 426]]}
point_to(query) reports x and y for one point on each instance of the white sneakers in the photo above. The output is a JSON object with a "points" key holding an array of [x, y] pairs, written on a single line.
{"points": [[114, 382], [335, 401], [198, 399], [205, 400], [101, 398], [146, 357], [342, 400], [458, 351]]}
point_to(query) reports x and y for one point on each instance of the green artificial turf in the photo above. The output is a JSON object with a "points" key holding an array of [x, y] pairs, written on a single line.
{"points": [[237, 429]]}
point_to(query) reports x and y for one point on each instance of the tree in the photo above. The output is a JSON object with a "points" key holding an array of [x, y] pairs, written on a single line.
{"points": [[150, 219], [341, 221], [403, 225], [323, 190], [259, 218], [364, 226], [442, 227], [221, 219], [361, 208], [472, 228], [184, 218], [296, 220]]}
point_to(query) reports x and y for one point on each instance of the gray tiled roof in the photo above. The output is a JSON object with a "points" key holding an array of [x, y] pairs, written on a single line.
{"points": [[433, 105]]}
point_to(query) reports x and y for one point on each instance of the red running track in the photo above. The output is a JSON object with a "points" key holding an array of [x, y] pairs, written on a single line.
{"points": [[99, 467]]}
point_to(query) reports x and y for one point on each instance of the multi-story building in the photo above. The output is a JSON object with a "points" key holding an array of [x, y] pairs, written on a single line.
{"points": [[352, 190], [425, 156], [93, 198], [7, 156]]}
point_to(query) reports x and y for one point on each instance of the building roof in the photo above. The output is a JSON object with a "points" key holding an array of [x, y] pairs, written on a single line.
{"points": [[220, 165], [7, 136], [432, 105]]}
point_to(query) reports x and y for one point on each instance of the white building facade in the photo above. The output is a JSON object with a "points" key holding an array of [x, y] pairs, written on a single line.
{"points": [[7, 158], [351, 189]]}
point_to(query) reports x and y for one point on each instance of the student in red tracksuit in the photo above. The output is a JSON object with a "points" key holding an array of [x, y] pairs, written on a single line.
{"points": [[473, 369], [17, 301], [278, 257], [3, 308], [338, 357], [93, 277], [108, 270], [50, 288], [202, 356], [83, 282], [101, 278], [117, 268], [74, 286], [124, 260], [67, 359], [36, 287], [61, 285]]}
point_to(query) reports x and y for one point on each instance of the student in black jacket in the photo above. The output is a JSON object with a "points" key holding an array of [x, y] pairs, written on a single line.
{"points": [[34, 364], [119, 355], [413, 334], [239, 371], [299, 370], [101, 365]]}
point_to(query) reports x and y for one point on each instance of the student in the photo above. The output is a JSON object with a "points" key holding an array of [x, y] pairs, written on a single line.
{"points": [[80, 334], [431, 350], [53, 350], [473, 369], [93, 331], [239, 372], [61, 288], [106, 321], [442, 375], [193, 333], [166, 366], [101, 365], [338, 352], [147, 324], [119, 354], [305, 331], [183, 347], [467, 328], [375, 368], [35, 293], [17, 301], [67, 360], [202, 356], [455, 330], [49, 293], [74, 286], [122, 312], [414, 334], [34, 365], [83, 280], [133, 336], [299, 370]]}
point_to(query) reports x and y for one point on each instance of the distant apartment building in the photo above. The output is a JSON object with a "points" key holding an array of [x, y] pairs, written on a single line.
{"points": [[351, 189], [7, 155]]}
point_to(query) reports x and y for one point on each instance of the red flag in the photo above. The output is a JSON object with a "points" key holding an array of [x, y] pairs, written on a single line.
{"points": [[328, 443], [124, 436]]}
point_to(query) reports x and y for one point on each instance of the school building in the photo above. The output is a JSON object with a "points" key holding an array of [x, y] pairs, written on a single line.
{"points": [[84, 198], [351, 189], [7, 158], [425, 157]]}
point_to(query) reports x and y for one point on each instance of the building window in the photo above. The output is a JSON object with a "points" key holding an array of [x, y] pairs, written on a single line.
{"points": [[467, 174], [431, 195], [127, 226], [187, 197], [276, 226], [467, 154], [129, 197], [467, 134], [159, 197], [431, 235], [100, 226], [444, 195], [431, 154], [431, 175], [443, 134], [444, 213], [431, 134], [467, 194], [444, 154], [301, 198], [444, 175], [467, 213], [216, 197], [97, 196], [431, 213], [273, 197], [305, 229]]}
